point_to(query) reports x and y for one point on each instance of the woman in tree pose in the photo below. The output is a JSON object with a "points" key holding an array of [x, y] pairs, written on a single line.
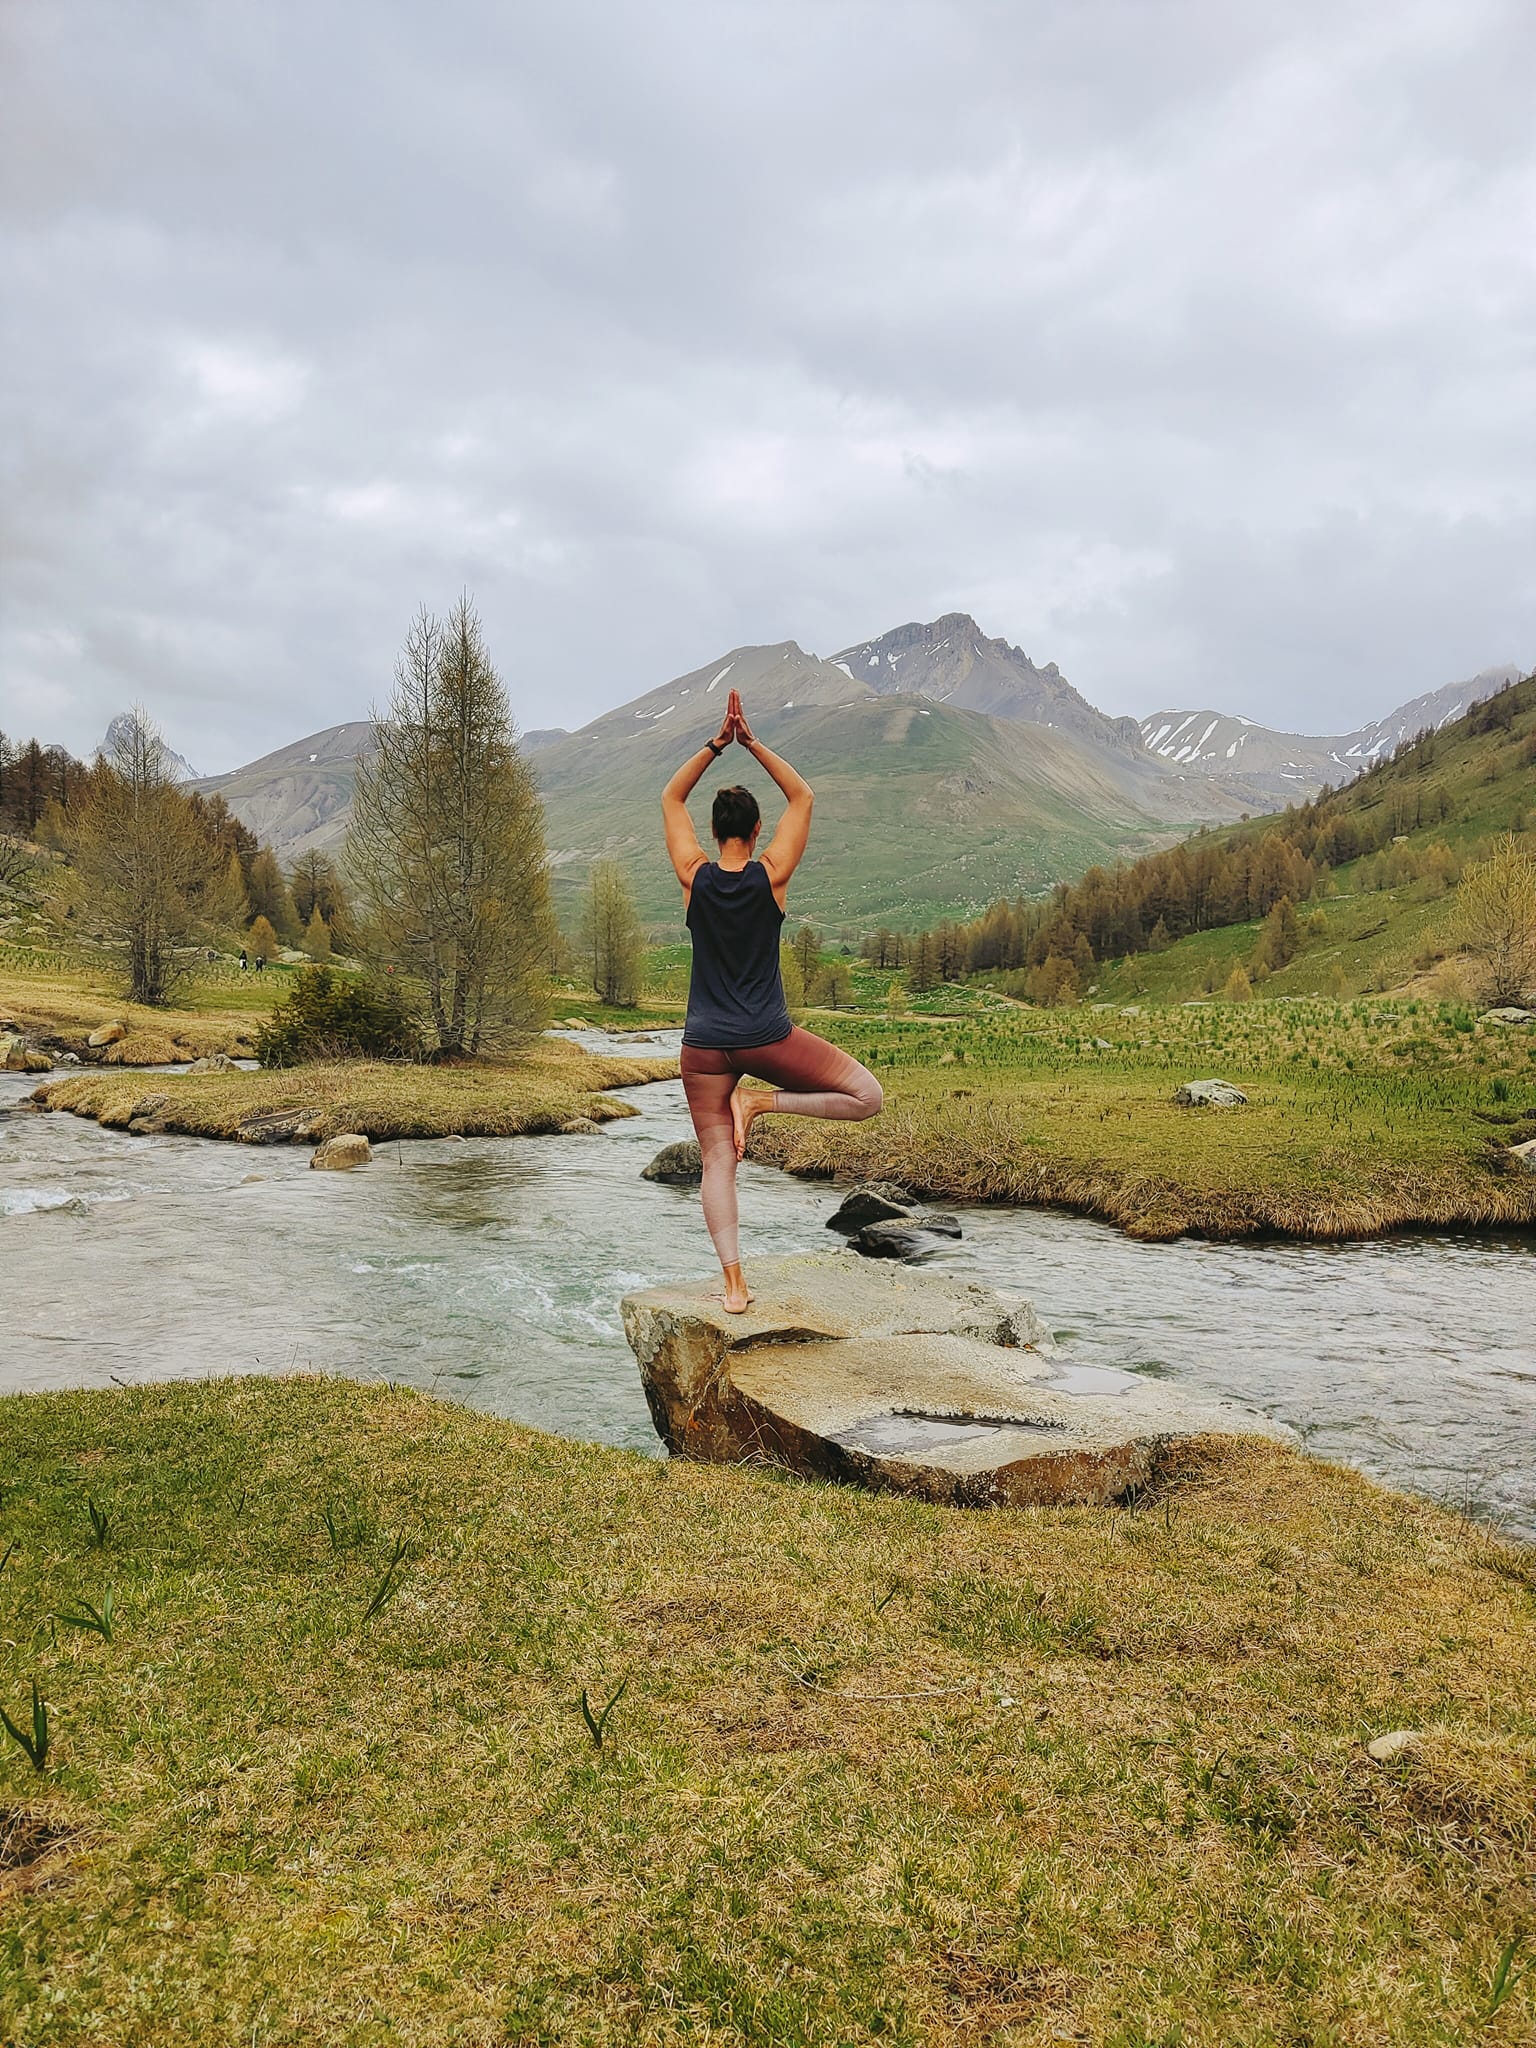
{"points": [[738, 1022]]}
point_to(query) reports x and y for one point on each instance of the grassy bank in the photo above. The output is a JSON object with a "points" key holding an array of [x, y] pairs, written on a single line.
{"points": [[61, 1007], [1361, 1118], [547, 1088], [879, 1771]]}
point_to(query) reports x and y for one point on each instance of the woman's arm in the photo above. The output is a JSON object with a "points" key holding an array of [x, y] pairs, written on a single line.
{"points": [[683, 848], [786, 849]]}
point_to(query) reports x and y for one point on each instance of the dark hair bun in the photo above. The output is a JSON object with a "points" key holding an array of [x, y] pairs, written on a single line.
{"points": [[735, 814]]}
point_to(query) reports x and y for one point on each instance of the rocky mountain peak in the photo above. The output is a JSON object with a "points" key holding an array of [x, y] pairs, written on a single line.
{"points": [[118, 730]]}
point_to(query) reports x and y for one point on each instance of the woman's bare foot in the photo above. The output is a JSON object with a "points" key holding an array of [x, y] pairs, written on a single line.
{"points": [[738, 1295], [747, 1105]]}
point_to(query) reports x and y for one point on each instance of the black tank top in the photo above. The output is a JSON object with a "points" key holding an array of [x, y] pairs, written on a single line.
{"points": [[735, 993]]}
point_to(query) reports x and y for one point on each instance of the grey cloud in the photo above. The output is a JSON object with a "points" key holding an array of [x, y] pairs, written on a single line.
{"points": [[1192, 347]]}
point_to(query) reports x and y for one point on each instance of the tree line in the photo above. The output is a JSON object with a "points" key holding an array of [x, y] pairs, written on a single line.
{"points": [[1049, 946]]}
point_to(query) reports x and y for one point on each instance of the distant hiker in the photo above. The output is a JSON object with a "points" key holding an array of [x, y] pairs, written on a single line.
{"points": [[261, 963], [244, 962], [738, 1022]]}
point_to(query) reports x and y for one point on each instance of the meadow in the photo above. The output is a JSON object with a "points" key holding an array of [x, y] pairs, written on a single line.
{"points": [[370, 1720], [1362, 1117]]}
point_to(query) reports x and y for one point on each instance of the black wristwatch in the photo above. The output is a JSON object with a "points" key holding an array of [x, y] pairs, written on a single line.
{"points": [[716, 751]]}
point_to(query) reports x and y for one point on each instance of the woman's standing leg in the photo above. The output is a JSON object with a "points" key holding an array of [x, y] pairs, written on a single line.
{"points": [[709, 1080], [811, 1078]]}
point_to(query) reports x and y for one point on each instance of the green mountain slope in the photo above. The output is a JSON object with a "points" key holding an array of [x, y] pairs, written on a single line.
{"points": [[1388, 901], [920, 808]]}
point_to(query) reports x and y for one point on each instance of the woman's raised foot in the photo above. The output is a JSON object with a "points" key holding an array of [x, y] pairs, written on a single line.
{"points": [[747, 1105]]}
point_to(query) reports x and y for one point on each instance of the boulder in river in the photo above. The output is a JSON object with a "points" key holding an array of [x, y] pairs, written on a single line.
{"points": [[872, 1201], [680, 1165], [906, 1237], [17, 1057], [341, 1153], [214, 1063], [1212, 1094], [902, 1381], [146, 1117], [108, 1034], [276, 1126]]}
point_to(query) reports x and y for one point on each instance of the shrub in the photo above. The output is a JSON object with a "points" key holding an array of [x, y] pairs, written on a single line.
{"points": [[329, 1016]]}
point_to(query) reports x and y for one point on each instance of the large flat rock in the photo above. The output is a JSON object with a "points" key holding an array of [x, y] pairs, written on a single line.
{"points": [[902, 1380]]}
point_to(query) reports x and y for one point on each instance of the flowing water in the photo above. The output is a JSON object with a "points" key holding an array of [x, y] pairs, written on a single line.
{"points": [[490, 1270]]}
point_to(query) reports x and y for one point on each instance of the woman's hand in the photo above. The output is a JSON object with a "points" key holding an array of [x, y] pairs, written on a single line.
{"points": [[740, 730], [727, 730]]}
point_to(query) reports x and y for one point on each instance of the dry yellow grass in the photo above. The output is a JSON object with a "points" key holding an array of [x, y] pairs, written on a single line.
{"points": [[64, 1011], [547, 1088], [881, 1771]]}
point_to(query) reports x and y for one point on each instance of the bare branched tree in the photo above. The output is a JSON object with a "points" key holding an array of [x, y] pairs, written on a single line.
{"points": [[142, 857], [446, 846], [611, 932]]}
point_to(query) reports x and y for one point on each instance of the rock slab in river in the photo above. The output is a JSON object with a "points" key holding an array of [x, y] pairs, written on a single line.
{"points": [[341, 1153], [904, 1382], [682, 1164], [872, 1201], [1212, 1094]]}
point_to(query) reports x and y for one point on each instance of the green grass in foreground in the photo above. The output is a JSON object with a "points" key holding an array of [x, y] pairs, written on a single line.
{"points": [[1362, 1118], [880, 1771]]}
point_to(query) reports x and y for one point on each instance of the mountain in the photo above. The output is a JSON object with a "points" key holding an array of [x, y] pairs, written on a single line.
{"points": [[1388, 919], [300, 797], [184, 771], [922, 806], [949, 769], [951, 661], [1281, 767]]}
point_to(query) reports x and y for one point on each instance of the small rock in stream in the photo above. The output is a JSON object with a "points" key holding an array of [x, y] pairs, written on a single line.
{"points": [[343, 1152], [680, 1165], [911, 1238], [872, 1201]]}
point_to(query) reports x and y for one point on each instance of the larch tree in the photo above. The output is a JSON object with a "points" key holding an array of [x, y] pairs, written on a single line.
{"points": [[143, 861], [446, 844], [611, 934], [1496, 920]]}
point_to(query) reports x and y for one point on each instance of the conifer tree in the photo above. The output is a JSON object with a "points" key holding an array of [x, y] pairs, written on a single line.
{"points": [[142, 858], [611, 929], [317, 936], [447, 842], [1496, 920]]}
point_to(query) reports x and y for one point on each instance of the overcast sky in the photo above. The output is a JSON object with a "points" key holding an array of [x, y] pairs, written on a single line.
{"points": [[1189, 344]]}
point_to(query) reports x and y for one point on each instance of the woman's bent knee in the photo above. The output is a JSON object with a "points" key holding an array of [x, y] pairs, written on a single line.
{"points": [[871, 1096]]}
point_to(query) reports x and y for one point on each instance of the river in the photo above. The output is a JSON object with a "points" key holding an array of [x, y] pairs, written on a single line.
{"points": [[490, 1271]]}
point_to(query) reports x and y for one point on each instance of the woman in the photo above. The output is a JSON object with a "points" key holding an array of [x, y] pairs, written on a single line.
{"points": [[738, 1022]]}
